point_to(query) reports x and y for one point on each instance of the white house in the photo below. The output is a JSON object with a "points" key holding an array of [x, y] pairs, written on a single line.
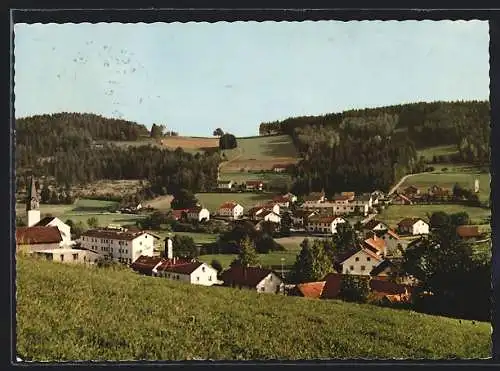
{"points": [[225, 184], [360, 261], [413, 226], [270, 216], [120, 245], [196, 273], [324, 224], [300, 217], [231, 209], [274, 207], [50, 221], [374, 226], [253, 278], [198, 214], [71, 256]]}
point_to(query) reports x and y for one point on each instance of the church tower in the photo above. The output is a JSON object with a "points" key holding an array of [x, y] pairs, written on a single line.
{"points": [[32, 204]]}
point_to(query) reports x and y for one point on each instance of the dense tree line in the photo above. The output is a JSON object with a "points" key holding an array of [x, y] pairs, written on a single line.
{"points": [[465, 124]]}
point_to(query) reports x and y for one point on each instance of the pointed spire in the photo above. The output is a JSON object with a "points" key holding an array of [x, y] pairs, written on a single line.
{"points": [[32, 202]]}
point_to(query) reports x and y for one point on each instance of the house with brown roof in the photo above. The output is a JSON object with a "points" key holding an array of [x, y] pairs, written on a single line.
{"points": [[411, 191], [310, 290], [51, 221], [282, 201], [193, 272], [390, 292], [314, 198], [119, 244], [146, 264], [230, 209], [199, 214], [469, 232], [31, 239], [375, 244], [253, 278], [180, 214], [254, 185], [400, 199], [374, 225], [270, 216], [413, 226], [324, 224], [358, 261]]}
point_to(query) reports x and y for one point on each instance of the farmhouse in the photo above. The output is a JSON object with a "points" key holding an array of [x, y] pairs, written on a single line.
{"points": [[225, 185], [411, 191], [254, 278], [301, 217], [282, 201], [254, 185], [311, 290], [375, 244], [413, 226], [120, 245], [66, 255], [270, 216], [324, 224], [362, 203], [199, 214], [194, 272], [394, 244], [146, 264], [390, 292], [400, 199], [359, 261], [31, 239], [231, 209], [254, 212], [50, 221], [469, 232]]}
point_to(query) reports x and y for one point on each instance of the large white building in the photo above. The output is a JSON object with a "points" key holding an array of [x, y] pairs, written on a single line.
{"points": [[119, 244]]}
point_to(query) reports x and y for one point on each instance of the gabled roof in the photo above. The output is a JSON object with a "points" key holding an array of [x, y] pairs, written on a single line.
{"points": [[341, 197], [178, 212], [387, 287], [249, 276], [379, 268], [403, 197], [373, 223], [376, 244], [465, 231], [196, 209], [267, 212], [187, 268], [255, 209], [324, 219], [314, 196], [408, 222], [145, 264], [342, 258], [393, 234], [114, 234], [363, 197], [281, 198], [44, 221], [311, 289], [331, 289], [411, 188], [224, 181], [228, 205], [37, 235]]}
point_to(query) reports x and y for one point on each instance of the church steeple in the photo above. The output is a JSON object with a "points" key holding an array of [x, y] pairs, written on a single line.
{"points": [[32, 204], [32, 201]]}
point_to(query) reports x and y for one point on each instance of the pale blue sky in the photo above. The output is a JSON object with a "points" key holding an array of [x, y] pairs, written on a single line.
{"points": [[194, 77]]}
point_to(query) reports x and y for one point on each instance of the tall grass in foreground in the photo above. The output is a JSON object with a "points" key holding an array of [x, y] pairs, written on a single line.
{"points": [[81, 313]]}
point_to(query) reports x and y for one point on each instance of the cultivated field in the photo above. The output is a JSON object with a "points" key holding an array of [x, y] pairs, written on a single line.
{"points": [[188, 144], [169, 320], [161, 203], [260, 153]]}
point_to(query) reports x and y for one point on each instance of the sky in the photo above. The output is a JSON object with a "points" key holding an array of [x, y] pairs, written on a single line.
{"points": [[195, 77]]}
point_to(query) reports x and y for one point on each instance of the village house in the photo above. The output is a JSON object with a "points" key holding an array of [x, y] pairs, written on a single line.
{"points": [[253, 278], [199, 214], [231, 210], [282, 201], [399, 199], [67, 255], [411, 191], [375, 244], [413, 226], [274, 207], [393, 243], [312, 290], [374, 225], [383, 270], [300, 217], [362, 203], [469, 232], [254, 212], [254, 185], [270, 216], [225, 185], [193, 272], [31, 239], [358, 261], [180, 214], [119, 244], [146, 264], [313, 199], [324, 224], [50, 221]]}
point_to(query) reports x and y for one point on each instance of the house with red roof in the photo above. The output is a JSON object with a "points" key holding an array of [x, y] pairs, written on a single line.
{"points": [[52, 221], [30, 239], [180, 214], [375, 244], [193, 272], [253, 278], [231, 209], [312, 290]]}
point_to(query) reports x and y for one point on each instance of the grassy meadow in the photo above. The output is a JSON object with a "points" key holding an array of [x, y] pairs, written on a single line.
{"points": [[212, 201], [166, 320]]}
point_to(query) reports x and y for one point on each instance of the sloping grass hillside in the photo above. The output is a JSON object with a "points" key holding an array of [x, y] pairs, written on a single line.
{"points": [[81, 313]]}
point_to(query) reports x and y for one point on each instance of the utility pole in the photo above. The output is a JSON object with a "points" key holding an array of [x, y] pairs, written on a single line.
{"points": [[283, 274]]}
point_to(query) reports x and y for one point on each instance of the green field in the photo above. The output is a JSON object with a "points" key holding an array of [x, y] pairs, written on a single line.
{"points": [[212, 201], [98, 314], [429, 152], [463, 176], [265, 260], [82, 210], [263, 148], [395, 213]]}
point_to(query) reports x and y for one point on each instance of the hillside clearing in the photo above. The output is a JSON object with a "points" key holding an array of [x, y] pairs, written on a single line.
{"points": [[212, 201], [119, 315]]}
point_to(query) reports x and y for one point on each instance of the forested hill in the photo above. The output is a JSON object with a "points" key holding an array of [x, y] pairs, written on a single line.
{"points": [[427, 124], [41, 132]]}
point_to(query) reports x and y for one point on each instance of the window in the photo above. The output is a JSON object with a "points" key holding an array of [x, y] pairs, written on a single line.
{"points": [[203, 269], [62, 257], [210, 278], [262, 289], [357, 259], [363, 267], [198, 279], [351, 267], [368, 258], [75, 256], [178, 277]]}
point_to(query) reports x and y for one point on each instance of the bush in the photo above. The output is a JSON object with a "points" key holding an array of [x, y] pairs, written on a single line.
{"points": [[354, 288]]}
